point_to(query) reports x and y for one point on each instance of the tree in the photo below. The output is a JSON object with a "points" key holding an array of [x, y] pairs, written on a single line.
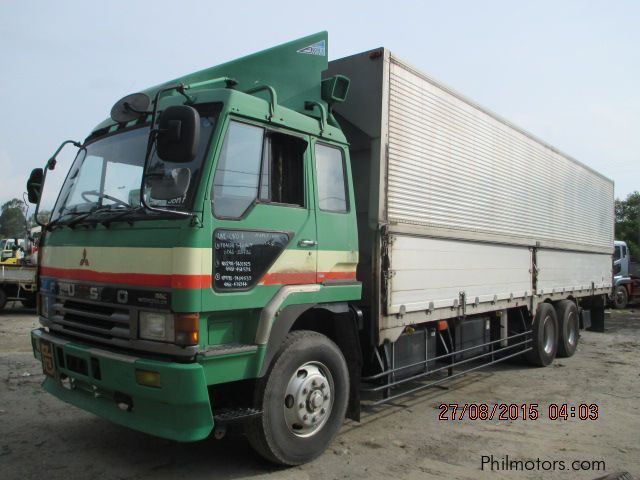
{"points": [[628, 223], [12, 219]]}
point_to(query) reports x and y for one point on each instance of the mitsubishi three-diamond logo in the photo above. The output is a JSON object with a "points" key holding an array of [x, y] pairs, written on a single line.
{"points": [[84, 260]]}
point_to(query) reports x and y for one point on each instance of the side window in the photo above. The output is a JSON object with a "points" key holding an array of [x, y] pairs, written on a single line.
{"points": [[624, 251], [282, 174], [618, 253], [235, 185], [330, 173]]}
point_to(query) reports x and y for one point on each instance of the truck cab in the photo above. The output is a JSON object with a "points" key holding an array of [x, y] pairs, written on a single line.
{"points": [[199, 212]]}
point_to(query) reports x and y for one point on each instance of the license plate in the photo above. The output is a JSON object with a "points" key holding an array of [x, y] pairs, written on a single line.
{"points": [[48, 363]]}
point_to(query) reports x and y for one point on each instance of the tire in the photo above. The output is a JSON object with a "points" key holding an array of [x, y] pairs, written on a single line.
{"points": [[3, 298], [620, 297], [544, 338], [308, 382], [568, 328]]}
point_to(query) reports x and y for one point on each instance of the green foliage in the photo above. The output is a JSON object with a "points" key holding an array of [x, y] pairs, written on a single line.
{"points": [[12, 220], [628, 223]]}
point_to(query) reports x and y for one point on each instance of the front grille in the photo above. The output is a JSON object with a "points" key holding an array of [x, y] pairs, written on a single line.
{"points": [[91, 320], [104, 323]]}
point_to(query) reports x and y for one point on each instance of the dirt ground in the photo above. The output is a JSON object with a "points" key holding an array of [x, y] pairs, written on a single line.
{"points": [[41, 437]]}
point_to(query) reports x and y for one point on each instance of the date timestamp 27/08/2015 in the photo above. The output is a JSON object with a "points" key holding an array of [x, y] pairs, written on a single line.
{"points": [[516, 411]]}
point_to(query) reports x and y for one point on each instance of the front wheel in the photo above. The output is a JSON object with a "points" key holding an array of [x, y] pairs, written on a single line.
{"points": [[620, 297], [303, 398]]}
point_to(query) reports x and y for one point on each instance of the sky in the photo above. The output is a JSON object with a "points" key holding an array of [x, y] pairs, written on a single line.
{"points": [[566, 71]]}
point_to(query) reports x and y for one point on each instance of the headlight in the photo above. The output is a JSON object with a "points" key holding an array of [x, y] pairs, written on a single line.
{"points": [[157, 326]]}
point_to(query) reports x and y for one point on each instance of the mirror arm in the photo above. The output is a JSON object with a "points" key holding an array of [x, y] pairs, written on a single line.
{"points": [[182, 91], [51, 163], [156, 100]]}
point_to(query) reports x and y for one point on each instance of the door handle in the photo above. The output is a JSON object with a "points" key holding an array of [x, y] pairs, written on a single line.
{"points": [[307, 243]]}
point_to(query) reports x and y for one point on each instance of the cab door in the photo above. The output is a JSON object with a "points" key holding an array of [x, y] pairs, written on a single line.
{"points": [[335, 215], [264, 218]]}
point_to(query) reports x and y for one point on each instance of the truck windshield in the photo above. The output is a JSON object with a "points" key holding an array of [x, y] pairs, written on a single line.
{"points": [[107, 173]]}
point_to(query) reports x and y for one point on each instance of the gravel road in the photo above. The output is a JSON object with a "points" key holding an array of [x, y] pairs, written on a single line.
{"points": [[42, 437]]}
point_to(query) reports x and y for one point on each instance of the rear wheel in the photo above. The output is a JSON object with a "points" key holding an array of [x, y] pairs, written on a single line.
{"points": [[568, 328], [303, 398], [3, 298], [544, 341], [620, 297]]}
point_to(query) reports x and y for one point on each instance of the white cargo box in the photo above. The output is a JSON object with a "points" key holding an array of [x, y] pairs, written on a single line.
{"points": [[458, 209]]}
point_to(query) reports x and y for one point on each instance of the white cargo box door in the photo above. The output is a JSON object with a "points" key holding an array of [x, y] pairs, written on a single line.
{"points": [[566, 272], [430, 273]]}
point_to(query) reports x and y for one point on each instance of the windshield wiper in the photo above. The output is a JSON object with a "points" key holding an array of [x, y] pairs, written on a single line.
{"points": [[123, 213], [58, 221], [87, 215], [80, 217]]}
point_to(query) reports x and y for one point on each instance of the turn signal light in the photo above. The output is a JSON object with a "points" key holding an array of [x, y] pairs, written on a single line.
{"points": [[187, 327], [443, 325]]}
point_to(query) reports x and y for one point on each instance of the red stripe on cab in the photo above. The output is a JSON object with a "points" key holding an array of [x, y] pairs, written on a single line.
{"points": [[138, 279]]}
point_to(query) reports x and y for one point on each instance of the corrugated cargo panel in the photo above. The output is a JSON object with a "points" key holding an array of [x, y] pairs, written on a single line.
{"points": [[452, 165]]}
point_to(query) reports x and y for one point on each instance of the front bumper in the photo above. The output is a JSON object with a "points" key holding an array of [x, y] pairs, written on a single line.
{"points": [[104, 383]]}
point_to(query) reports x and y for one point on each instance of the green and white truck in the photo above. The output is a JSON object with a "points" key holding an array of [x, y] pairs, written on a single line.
{"points": [[279, 240]]}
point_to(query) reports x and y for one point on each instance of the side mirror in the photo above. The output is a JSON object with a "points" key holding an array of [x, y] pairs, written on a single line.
{"points": [[34, 185], [178, 134]]}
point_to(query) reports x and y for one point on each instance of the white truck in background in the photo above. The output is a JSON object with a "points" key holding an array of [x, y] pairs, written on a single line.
{"points": [[626, 285]]}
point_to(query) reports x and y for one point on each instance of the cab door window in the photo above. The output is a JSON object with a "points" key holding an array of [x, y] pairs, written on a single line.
{"points": [[235, 184], [258, 166], [330, 173], [282, 175]]}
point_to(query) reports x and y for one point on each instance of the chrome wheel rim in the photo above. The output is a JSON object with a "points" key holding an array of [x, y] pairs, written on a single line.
{"points": [[308, 399]]}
